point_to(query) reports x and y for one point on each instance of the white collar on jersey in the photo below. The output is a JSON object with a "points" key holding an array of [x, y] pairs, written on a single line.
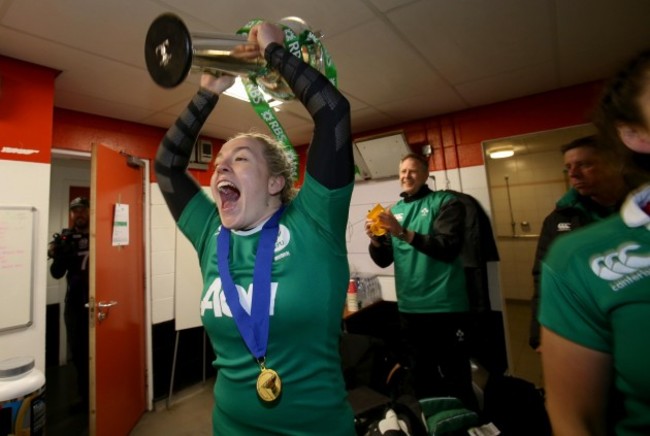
{"points": [[632, 211]]}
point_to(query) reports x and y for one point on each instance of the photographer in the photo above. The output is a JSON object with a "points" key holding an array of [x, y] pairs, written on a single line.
{"points": [[69, 250]]}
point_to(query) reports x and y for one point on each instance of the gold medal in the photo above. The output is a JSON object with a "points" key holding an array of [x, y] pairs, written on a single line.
{"points": [[269, 385]]}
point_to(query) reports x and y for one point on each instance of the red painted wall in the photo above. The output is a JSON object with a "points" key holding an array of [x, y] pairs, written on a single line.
{"points": [[460, 134], [27, 96], [77, 131], [26, 106]]}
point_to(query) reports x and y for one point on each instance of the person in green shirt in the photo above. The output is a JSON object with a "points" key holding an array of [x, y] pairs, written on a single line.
{"points": [[595, 300], [274, 263], [423, 239], [598, 189]]}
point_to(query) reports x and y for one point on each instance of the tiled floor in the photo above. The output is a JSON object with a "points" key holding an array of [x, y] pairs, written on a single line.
{"points": [[189, 414], [190, 411]]}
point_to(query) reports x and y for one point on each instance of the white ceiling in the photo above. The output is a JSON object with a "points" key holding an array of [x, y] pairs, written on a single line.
{"points": [[397, 60]]}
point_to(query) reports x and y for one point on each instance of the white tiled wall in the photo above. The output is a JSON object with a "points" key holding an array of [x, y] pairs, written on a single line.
{"points": [[535, 182], [163, 255]]}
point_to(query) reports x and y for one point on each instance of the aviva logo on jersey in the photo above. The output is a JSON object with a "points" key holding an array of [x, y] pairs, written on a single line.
{"points": [[623, 266], [215, 300]]}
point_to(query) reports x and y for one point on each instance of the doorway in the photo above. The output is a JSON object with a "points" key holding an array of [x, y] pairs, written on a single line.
{"points": [[70, 175], [73, 169], [523, 190]]}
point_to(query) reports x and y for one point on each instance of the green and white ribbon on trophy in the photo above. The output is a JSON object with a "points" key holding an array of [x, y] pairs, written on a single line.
{"points": [[302, 43], [172, 51]]}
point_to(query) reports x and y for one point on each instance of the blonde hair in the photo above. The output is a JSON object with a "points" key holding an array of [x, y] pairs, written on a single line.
{"points": [[280, 163]]}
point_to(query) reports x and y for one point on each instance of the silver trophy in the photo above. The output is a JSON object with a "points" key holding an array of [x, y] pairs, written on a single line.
{"points": [[172, 52]]}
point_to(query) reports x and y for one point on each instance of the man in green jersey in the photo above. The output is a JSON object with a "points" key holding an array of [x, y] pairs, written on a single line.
{"points": [[595, 300], [424, 237]]}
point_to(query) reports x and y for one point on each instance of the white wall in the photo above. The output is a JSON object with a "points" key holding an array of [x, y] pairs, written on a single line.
{"points": [[176, 276], [163, 258], [27, 184]]}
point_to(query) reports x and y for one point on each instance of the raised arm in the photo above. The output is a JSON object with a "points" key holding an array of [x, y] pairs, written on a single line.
{"points": [[173, 156], [330, 159]]}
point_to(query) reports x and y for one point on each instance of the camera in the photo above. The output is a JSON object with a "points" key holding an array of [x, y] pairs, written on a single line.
{"points": [[62, 243]]}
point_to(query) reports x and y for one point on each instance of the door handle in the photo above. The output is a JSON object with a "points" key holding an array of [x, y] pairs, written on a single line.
{"points": [[106, 304], [103, 309]]}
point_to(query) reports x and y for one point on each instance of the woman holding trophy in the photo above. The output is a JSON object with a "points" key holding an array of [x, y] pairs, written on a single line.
{"points": [[273, 262]]}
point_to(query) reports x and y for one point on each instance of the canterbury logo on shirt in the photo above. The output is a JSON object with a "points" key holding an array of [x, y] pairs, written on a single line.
{"points": [[623, 266], [563, 227], [423, 212]]}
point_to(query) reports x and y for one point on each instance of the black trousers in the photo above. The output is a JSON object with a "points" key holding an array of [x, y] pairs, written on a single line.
{"points": [[77, 330], [435, 355]]}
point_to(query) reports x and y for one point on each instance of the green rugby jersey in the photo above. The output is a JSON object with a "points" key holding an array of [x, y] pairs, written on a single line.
{"points": [[596, 292], [309, 281], [424, 284]]}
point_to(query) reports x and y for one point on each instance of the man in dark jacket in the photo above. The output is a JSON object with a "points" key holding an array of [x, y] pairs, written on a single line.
{"points": [[70, 253], [597, 190]]}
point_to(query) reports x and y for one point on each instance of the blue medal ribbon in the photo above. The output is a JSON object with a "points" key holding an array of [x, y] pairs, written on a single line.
{"points": [[253, 328]]}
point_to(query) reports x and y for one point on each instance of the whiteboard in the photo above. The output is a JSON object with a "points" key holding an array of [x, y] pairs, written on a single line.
{"points": [[364, 197], [17, 227]]}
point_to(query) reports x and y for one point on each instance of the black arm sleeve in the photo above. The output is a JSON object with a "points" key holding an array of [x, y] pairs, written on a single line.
{"points": [[59, 267], [173, 156], [330, 159], [382, 255], [60, 258], [546, 236], [446, 238]]}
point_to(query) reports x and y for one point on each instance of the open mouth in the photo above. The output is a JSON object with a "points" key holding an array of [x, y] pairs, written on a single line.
{"points": [[229, 195]]}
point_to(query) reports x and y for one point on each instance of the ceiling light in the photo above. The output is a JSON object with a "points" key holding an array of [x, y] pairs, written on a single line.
{"points": [[501, 152], [238, 91]]}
